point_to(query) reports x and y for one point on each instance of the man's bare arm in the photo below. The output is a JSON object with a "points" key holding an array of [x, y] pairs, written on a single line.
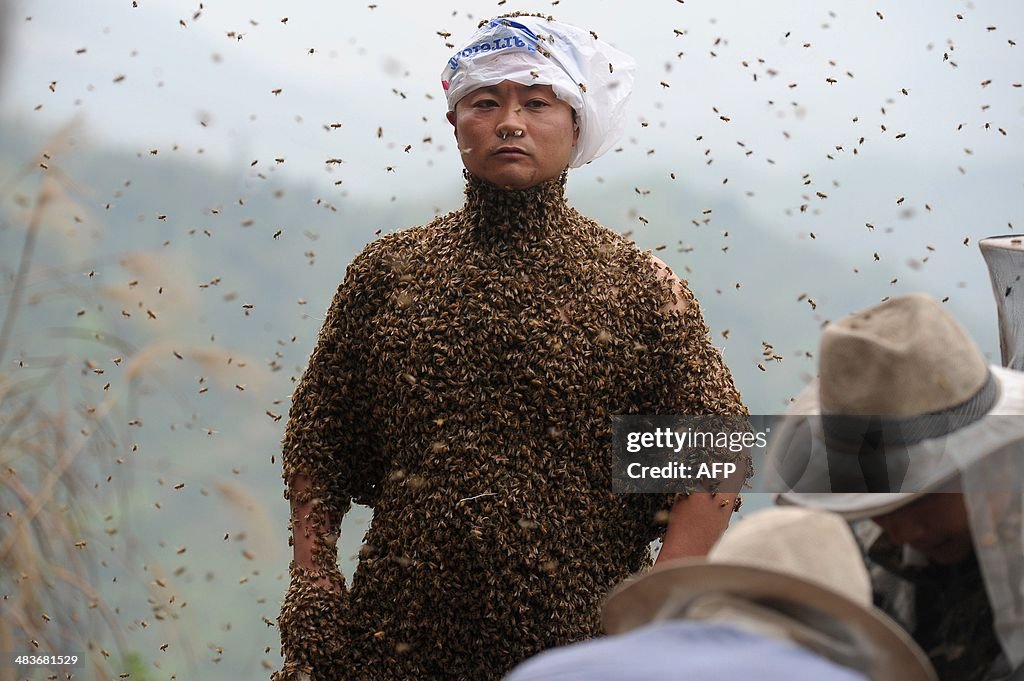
{"points": [[309, 621], [696, 521], [315, 534]]}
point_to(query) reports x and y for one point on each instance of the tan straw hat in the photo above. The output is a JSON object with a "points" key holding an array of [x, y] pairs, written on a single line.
{"points": [[902, 398], [802, 563], [905, 357]]}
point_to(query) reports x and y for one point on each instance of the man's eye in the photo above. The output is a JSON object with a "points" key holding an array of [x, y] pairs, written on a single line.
{"points": [[485, 103], [536, 103]]}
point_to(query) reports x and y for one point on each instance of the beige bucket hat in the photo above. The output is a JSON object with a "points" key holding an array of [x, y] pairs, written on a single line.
{"points": [[903, 382], [799, 562]]}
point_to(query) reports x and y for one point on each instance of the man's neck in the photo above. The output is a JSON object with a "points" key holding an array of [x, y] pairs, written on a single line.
{"points": [[501, 214]]}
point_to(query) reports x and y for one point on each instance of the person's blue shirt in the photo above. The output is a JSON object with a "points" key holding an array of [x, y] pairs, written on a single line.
{"points": [[680, 650]]}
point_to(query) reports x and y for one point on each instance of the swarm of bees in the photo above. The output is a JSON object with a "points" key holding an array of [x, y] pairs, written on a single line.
{"points": [[491, 421], [473, 363]]}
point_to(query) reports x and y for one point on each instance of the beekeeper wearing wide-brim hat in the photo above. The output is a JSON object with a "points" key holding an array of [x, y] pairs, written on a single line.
{"points": [[783, 595], [909, 425]]}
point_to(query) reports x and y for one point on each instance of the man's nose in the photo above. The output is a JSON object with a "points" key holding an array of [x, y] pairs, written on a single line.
{"points": [[510, 120], [900, 528]]}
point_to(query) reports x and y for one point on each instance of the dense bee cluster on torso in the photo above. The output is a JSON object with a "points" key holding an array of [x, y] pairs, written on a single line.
{"points": [[462, 386]]}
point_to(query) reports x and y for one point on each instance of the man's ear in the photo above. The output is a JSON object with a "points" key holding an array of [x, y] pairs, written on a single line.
{"points": [[451, 119], [575, 133]]}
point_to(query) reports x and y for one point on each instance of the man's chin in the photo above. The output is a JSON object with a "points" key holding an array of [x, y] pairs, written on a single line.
{"points": [[951, 552], [511, 178], [512, 183]]}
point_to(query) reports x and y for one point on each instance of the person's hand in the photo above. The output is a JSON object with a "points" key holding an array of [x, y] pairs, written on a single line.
{"points": [[291, 672], [695, 523], [698, 520], [310, 625]]}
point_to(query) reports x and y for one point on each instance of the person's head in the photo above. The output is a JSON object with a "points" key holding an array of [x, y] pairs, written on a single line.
{"points": [[790, 573], [905, 404], [514, 136], [527, 99], [935, 524]]}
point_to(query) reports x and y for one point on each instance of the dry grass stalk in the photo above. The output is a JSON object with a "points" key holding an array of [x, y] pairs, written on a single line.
{"points": [[49, 539]]}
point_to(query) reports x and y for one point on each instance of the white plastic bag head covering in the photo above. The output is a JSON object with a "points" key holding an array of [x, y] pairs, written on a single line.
{"points": [[590, 75]]}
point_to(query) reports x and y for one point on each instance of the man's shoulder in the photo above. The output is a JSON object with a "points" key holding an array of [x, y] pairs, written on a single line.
{"points": [[612, 246], [600, 232], [408, 238], [402, 244], [620, 244], [617, 252]]}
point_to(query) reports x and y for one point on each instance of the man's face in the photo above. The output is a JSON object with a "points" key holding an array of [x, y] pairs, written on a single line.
{"points": [[542, 151], [936, 525]]}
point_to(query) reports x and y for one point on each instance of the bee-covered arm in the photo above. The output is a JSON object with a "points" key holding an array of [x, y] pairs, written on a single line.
{"points": [[329, 460]]}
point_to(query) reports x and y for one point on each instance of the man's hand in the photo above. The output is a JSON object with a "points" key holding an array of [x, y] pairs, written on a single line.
{"points": [[311, 616], [311, 626], [695, 523]]}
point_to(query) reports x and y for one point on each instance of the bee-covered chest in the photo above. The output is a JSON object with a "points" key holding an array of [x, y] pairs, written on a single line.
{"points": [[532, 328]]}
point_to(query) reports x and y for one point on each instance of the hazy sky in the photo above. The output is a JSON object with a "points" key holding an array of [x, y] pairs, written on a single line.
{"points": [[809, 118], [377, 66], [903, 115]]}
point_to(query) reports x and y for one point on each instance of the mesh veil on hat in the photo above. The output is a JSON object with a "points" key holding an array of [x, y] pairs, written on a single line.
{"points": [[799, 563], [908, 365], [590, 75], [906, 372]]}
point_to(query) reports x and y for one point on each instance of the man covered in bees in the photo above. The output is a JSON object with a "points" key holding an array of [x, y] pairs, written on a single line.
{"points": [[463, 385]]}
